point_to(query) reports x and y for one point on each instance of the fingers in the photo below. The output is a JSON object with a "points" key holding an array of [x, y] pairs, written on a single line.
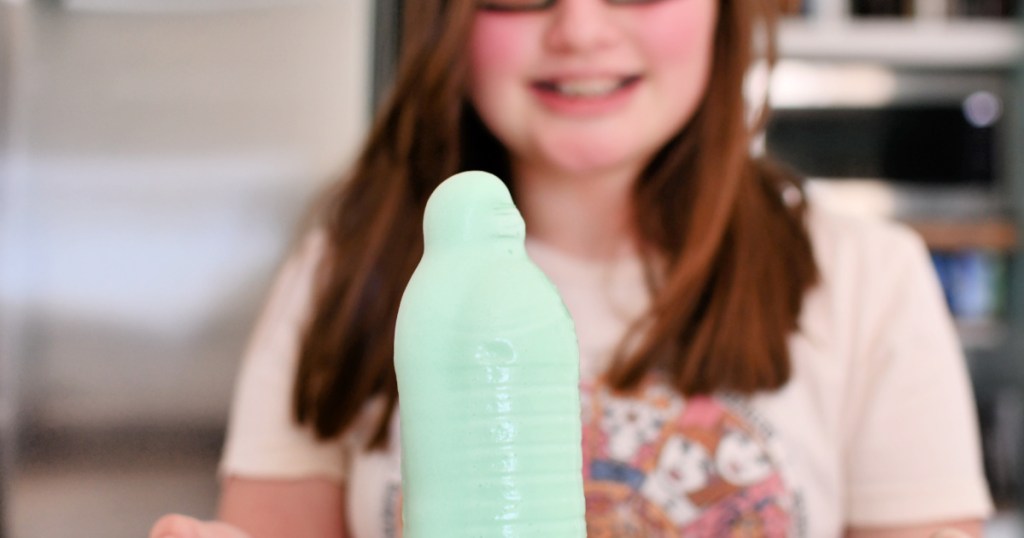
{"points": [[179, 526], [176, 526], [950, 533]]}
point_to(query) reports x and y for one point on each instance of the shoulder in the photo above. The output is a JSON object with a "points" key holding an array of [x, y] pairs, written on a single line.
{"points": [[873, 273], [861, 254], [839, 237]]}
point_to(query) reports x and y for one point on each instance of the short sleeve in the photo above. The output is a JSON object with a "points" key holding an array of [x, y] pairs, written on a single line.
{"points": [[913, 453], [263, 440]]}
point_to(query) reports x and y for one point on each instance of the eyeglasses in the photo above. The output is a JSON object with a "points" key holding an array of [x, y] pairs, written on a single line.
{"points": [[537, 5]]}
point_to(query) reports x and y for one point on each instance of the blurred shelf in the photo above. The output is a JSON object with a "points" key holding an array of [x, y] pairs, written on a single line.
{"points": [[992, 234], [986, 43]]}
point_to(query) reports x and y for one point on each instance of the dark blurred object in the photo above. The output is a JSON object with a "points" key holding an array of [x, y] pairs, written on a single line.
{"points": [[882, 8], [935, 144], [984, 8], [1000, 397], [930, 128], [1002, 425]]}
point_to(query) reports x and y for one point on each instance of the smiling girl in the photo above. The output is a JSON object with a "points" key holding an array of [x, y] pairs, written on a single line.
{"points": [[750, 365]]}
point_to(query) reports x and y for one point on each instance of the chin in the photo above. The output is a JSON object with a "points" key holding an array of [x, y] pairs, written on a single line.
{"points": [[595, 162]]}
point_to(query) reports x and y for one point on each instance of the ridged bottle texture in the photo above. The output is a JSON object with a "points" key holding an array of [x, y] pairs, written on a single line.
{"points": [[488, 372]]}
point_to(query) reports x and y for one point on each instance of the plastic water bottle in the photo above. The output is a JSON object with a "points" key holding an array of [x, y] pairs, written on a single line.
{"points": [[488, 372]]}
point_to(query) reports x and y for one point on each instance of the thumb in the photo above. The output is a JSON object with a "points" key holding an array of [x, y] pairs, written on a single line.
{"points": [[950, 533]]}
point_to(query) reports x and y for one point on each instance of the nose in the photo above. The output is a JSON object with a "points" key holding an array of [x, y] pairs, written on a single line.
{"points": [[581, 26]]}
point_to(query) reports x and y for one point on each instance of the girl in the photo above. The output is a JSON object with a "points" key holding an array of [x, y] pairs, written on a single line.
{"points": [[750, 365]]}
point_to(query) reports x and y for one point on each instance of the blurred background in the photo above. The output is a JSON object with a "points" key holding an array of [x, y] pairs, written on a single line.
{"points": [[156, 157]]}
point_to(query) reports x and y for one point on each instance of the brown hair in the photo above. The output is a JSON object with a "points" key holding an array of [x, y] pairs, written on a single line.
{"points": [[736, 259]]}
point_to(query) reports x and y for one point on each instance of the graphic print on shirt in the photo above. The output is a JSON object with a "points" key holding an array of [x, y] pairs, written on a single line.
{"points": [[655, 465], [684, 467], [633, 424]]}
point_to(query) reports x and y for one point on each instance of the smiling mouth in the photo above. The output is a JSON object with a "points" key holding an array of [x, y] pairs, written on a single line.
{"points": [[587, 88]]}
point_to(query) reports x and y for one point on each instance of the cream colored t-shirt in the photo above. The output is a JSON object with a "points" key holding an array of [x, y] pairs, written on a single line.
{"points": [[875, 428]]}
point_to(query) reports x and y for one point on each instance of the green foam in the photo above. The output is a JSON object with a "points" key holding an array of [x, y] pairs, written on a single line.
{"points": [[488, 373]]}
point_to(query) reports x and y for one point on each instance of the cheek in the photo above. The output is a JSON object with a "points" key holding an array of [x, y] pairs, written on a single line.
{"points": [[490, 38], [680, 34], [495, 49]]}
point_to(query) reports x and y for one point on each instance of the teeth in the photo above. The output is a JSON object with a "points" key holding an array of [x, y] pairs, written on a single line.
{"points": [[588, 88]]}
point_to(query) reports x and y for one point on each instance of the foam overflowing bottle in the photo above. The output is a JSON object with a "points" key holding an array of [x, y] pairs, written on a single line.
{"points": [[488, 372]]}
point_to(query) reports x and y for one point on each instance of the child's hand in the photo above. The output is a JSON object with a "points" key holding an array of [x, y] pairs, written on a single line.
{"points": [[950, 533], [179, 526]]}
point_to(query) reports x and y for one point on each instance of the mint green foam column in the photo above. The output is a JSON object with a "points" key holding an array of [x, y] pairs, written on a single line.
{"points": [[488, 372]]}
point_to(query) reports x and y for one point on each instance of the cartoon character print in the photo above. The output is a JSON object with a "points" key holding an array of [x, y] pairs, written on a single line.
{"points": [[740, 460], [684, 467], [616, 511], [655, 466], [632, 423]]}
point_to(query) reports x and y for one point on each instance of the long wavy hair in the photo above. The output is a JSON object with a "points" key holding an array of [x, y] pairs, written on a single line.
{"points": [[735, 259]]}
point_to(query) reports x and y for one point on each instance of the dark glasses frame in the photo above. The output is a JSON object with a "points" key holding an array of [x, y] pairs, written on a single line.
{"points": [[539, 5]]}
